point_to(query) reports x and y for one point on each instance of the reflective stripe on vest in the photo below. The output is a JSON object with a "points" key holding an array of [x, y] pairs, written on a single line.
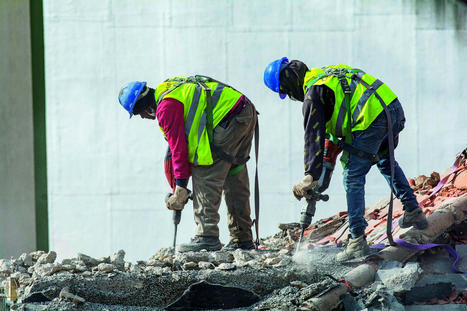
{"points": [[191, 94], [343, 109], [202, 123], [364, 105]]}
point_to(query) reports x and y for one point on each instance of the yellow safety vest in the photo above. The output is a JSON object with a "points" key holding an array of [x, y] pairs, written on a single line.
{"points": [[364, 104], [193, 96]]}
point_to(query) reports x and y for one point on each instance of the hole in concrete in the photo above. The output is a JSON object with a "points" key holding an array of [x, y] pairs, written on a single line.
{"points": [[36, 297], [206, 296]]}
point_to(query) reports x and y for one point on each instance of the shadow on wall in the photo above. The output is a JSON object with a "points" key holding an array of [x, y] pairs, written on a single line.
{"points": [[447, 13]]}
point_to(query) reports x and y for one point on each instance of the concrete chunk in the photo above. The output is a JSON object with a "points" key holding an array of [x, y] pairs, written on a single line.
{"points": [[205, 265], [47, 269], [397, 278], [222, 257], [118, 258], [226, 266], [5, 266], [105, 267], [88, 260], [26, 259], [47, 258]]}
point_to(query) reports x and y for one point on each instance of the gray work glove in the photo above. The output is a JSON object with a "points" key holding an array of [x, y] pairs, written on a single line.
{"points": [[178, 200], [300, 190]]}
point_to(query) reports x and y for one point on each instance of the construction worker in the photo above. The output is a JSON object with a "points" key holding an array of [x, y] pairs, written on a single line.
{"points": [[340, 102], [209, 127]]}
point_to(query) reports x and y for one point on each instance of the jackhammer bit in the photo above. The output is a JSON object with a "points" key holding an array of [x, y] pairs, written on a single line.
{"points": [[177, 215], [308, 211]]}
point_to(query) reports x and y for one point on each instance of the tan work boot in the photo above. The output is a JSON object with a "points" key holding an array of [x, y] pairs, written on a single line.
{"points": [[414, 218], [356, 248]]}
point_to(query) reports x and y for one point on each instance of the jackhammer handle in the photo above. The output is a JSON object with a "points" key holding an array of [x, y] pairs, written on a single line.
{"points": [[315, 195]]}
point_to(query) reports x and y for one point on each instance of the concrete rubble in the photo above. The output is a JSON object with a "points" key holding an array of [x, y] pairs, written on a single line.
{"points": [[274, 277], [157, 282]]}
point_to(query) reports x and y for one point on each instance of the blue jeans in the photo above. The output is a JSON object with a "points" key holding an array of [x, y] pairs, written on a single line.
{"points": [[373, 140]]}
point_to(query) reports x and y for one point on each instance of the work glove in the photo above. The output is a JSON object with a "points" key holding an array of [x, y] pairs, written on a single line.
{"points": [[178, 199], [300, 190]]}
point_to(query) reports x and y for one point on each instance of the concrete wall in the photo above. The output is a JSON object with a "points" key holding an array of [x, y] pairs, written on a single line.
{"points": [[17, 222], [106, 185]]}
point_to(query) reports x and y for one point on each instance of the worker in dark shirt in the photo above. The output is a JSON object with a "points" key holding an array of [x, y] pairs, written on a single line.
{"points": [[346, 106]]}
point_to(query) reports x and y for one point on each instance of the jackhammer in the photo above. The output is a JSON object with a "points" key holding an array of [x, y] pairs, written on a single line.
{"points": [[308, 211], [177, 215], [331, 151]]}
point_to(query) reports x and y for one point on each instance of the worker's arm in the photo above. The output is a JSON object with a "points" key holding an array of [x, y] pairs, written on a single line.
{"points": [[170, 117], [317, 109]]}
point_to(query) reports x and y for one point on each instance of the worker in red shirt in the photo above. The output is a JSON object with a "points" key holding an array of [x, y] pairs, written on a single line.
{"points": [[209, 127]]}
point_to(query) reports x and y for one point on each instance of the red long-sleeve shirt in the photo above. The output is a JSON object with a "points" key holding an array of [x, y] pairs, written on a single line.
{"points": [[169, 114]]}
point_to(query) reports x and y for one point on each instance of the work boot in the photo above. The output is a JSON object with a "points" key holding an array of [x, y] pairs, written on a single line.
{"points": [[233, 245], [356, 248], [414, 218], [210, 243]]}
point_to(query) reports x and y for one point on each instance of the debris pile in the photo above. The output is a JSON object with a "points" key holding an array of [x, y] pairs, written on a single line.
{"points": [[158, 282], [274, 277]]}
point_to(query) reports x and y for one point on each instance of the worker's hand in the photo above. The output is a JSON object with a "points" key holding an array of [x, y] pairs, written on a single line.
{"points": [[300, 189], [178, 200]]}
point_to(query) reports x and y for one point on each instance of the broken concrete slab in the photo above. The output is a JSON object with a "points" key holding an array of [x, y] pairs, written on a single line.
{"points": [[160, 290], [458, 280], [397, 277], [428, 292], [436, 261], [461, 250], [374, 297], [88, 260]]}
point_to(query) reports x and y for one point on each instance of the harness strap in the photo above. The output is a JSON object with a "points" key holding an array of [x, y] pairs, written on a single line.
{"points": [[208, 109], [391, 163], [372, 90], [346, 88], [348, 137], [256, 220], [373, 158], [236, 169]]}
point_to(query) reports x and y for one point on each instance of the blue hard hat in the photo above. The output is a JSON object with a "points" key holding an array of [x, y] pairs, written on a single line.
{"points": [[271, 75], [129, 95]]}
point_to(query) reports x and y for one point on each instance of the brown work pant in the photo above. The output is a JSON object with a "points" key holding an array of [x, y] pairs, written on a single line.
{"points": [[209, 181]]}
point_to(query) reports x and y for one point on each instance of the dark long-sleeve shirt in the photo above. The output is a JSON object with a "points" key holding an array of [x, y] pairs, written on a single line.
{"points": [[317, 109]]}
